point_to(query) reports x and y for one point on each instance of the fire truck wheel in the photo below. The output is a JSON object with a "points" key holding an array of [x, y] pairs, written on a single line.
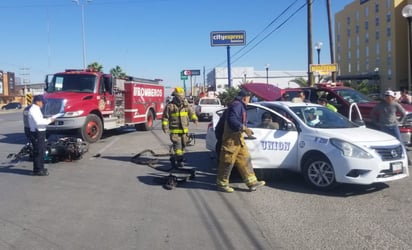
{"points": [[92, 129], [147, 126]]}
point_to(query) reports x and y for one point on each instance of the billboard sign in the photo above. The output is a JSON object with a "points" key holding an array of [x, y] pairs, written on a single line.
{"points": [[191, 72], [323, 67], [227, 38]]}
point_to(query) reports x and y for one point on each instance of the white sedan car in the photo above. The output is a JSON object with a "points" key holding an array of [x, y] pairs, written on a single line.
{"points": [[321, 144]]}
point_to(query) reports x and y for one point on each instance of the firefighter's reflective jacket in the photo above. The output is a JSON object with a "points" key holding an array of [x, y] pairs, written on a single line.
{"points": [[177, 115]]}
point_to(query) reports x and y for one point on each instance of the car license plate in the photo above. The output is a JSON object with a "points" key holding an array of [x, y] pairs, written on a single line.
{"points": [[396, 167]]}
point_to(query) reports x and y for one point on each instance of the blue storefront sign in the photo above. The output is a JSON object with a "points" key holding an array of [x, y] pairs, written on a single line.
{"points": [[227, 38]]}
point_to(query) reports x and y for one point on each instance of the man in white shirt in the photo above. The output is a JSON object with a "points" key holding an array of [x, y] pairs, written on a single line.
{"points": [[38, 125]]}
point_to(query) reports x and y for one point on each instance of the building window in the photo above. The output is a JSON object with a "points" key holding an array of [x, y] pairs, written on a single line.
{"points": [[366, 11], [348, 20], [388, 17], [367, 51], [377, 35], [377, 21], [389, 74], [376, 7], [357, 66], [388, 31], [377, 49], [366, 25], [389, 46], [357, 29], [357, 40], [378, 62], [367, 38], [349, 68], [389, 61], [348, 32], [367, 65]]}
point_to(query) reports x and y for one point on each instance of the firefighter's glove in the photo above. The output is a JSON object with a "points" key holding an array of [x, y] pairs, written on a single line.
{"points": [[196, 122], [165, 129], [248, 131]]}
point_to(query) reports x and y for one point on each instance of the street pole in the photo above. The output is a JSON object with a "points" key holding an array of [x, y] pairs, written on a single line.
{"points": [[309, 29], [267, 73], [407, 13], [83, 32]]}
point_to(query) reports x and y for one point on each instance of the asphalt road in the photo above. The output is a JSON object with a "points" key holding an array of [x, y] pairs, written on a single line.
{"points": [[105, 201]]}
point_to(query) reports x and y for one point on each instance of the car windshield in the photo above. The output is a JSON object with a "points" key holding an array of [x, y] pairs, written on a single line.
{"points": [[321, 117], [72, 83], [353, 96]]}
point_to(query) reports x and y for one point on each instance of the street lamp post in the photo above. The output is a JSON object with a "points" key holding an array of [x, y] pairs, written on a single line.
{"points": [[267, 73], [318, 46], [81, 4], [407, 13]]}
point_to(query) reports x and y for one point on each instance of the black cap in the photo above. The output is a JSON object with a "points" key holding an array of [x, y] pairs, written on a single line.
{"points": [[243, 93], [39, 98]]}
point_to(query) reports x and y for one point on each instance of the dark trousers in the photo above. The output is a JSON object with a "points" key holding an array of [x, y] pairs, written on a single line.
{"points": [[39, 147], [27, 133]]}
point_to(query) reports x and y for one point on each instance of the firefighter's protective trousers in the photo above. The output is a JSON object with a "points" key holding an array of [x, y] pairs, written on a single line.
{"points": [[176, 118], [234, 153]]}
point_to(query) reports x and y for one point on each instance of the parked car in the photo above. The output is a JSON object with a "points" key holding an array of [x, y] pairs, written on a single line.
{"points": [[339, 96], [322, 145], [11, 105], [207, 106]]}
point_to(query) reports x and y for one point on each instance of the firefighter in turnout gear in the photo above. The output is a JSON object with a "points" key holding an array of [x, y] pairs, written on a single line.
{"points": [[233, 151], [176, 118]]}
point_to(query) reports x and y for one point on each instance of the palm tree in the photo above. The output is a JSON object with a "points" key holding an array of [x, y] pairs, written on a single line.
{"points": [[117, 72], [95, 66], [302, 82]]}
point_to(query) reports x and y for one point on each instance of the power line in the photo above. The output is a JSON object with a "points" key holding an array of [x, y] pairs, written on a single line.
{"points": [[265, 29], [277, 28]]}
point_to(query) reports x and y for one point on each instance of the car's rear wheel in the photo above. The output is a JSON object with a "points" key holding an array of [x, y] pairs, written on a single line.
{"points": [[319, 173]]}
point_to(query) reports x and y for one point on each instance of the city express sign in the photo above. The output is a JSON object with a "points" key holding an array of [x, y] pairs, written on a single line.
{"points": [[227, 38]]}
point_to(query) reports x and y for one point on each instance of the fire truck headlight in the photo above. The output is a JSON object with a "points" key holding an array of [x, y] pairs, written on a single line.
{"points": [[73, 114]]}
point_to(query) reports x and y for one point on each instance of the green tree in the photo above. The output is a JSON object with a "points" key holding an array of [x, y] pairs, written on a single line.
{"points": [[228, 95], [302, 82], [95, 66], [117, 72]]}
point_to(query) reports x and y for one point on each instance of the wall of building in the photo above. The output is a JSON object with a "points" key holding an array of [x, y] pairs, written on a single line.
{"points": [[371, 37], [218, 77]]}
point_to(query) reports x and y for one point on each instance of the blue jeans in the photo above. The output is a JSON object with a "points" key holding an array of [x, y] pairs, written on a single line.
{"points": [[392, 130]]}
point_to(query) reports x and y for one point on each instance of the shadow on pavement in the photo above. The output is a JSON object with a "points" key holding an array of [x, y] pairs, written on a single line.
{"points": [[13, 170], [294, 182]]}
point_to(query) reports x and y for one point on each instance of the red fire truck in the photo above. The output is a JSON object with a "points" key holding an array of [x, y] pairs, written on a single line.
{"points": [[88, 102]]}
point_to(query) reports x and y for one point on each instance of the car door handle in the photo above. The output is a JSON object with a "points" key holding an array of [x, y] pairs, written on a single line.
{"points": [[250, 138]]}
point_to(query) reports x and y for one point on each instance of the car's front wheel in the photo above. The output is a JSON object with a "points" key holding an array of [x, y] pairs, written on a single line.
{"points": [[319, 173]]}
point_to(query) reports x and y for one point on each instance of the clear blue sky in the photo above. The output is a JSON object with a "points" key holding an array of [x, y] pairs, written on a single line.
{"points": [[157, 38]]}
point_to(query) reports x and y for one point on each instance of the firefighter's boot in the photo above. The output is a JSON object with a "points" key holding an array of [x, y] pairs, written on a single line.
{"points": [[179, 161], [223, 176], [173, 161]]}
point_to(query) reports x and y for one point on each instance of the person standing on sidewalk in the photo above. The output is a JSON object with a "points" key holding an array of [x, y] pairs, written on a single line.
{"points": [[38, 125], [234, 151]]}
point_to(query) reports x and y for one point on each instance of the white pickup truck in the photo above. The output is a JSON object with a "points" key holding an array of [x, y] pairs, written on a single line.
{"points": [[207, 106]]}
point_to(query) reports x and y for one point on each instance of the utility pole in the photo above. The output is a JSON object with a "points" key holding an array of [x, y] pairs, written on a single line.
{"points": [[332, 54], [310, 54], [26, 80]]}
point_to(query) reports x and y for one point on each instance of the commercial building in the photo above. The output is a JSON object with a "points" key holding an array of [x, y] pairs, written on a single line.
{"points": [[371, 43], [218, 77]]}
